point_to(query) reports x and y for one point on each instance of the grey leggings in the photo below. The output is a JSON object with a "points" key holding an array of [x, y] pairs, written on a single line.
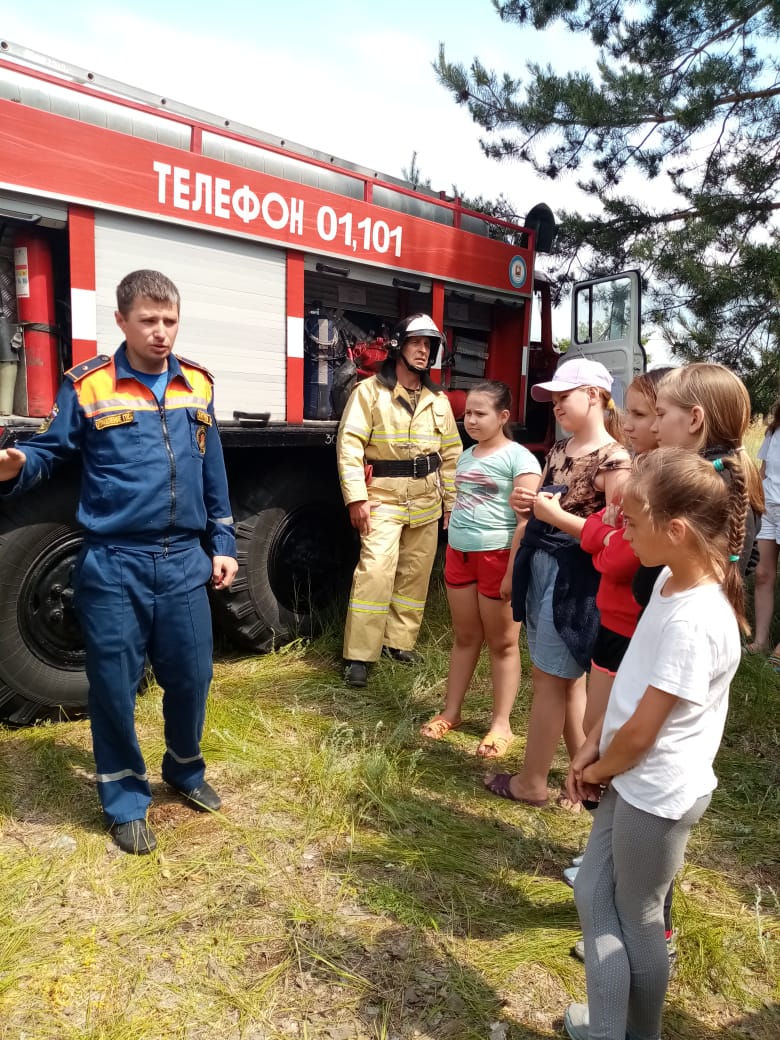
{"points": [[629, 863]]}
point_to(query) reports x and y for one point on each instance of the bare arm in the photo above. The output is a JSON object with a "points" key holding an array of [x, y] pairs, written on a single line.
{"points": [[612, 480], [529, 482], [634, 739]]}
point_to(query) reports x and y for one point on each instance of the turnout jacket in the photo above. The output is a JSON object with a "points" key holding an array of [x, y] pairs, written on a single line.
{"points": [[379, 424], [152, 474]]}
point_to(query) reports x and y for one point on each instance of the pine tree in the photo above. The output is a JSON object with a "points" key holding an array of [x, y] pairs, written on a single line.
{"points": [[676, 139]]}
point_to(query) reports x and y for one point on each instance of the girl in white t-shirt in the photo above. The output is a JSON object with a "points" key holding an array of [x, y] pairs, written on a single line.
{"points": [[649, 759], [483, 536], [768, 538]]}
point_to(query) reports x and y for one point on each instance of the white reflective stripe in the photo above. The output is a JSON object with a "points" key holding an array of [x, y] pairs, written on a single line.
{"points": [[294, 337], [224, 520], [107, 778], [183, 761], [83, 313], [362, 607]]}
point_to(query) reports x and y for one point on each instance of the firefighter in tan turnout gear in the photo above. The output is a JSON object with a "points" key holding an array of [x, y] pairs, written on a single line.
{"points": [[397, 449]]}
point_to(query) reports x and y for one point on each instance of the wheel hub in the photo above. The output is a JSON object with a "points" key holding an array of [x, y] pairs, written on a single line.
{"points": [[47, 620]]}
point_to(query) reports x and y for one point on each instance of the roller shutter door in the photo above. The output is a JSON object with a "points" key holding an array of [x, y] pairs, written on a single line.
{"points": [[233, 304]]}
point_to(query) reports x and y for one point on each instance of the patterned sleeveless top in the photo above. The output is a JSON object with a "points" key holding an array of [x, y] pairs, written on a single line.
{"points": [[583, 497]]}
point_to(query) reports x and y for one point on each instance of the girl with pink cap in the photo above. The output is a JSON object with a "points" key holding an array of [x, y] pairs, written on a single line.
{"points": [[554, 582]]}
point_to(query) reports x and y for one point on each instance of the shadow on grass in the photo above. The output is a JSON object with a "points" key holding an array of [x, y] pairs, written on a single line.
{"points": [[45, 778], [763, 1024], [410, 984]]}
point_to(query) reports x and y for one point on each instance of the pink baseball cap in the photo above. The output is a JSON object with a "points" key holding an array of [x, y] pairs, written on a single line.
{"points": [[570, 375]]}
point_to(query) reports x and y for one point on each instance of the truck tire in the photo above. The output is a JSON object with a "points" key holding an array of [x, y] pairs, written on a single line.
{"points": [[41, 647], [296, 553]]}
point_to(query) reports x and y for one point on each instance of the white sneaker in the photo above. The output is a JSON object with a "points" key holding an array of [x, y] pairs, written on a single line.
{"points": [[576, 1021], [569, 874], [577, 861]]}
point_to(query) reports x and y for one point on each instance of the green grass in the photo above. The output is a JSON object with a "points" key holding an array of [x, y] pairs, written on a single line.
{"points": [[359, 883]]}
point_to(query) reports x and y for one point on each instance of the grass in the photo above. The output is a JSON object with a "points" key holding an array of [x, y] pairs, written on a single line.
{"points": [[359, 883]]}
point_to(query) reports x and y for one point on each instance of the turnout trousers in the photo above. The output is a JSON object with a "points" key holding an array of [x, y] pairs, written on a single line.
{"points": [[133, 603], [389, 587]]}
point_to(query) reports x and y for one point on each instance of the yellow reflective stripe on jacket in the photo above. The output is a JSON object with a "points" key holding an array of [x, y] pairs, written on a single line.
{"points": [[376, 427]]}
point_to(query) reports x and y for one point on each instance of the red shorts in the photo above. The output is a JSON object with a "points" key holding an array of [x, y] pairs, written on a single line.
{"points": [[486, 569]]}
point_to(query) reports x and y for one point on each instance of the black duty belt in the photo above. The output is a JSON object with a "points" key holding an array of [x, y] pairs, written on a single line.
{"points": [[418, 467]]}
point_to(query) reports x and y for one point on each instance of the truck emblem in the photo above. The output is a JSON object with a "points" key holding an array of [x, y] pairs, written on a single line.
{"points": [[518, 271]]}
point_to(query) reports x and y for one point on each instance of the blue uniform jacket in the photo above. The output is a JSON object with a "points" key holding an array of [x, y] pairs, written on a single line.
{"points": [[152, 476]]}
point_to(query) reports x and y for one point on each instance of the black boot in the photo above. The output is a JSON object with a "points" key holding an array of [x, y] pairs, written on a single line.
{"points": [[356, 674], [401, 656], [203, 798], [134, 837]]}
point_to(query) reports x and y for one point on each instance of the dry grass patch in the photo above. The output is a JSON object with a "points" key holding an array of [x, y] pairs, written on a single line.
{"points": [[359, 883]]}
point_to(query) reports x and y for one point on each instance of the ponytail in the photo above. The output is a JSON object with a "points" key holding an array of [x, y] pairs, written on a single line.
{"points": [[673, 483], [613, 423], [739, 501]]}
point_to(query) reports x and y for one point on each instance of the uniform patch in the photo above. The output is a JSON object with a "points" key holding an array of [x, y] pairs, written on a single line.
{"points": [[48, 420], [203, 417], [120, 419], [200, 439]]}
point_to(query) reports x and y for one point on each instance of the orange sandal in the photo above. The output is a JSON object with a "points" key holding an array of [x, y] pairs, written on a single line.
{"points": [[437, 727], [493, 745]]}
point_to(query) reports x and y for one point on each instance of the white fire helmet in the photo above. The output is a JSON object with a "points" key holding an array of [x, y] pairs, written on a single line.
{"points": [[417, 325]]}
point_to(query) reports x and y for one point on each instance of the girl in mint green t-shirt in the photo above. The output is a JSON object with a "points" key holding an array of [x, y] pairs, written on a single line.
{"points": [[483, 537]]}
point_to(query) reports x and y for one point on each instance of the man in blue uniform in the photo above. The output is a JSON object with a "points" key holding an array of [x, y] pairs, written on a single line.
{"points": [[153, 497]]}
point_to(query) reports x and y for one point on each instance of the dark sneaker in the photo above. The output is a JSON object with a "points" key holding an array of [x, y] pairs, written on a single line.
{"points": [[401, 656], [356, 674], [203, 798], [134, 837]]}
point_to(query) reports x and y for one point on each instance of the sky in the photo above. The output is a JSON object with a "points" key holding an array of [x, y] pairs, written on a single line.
{"points": [[349, 77], [352, 78]]}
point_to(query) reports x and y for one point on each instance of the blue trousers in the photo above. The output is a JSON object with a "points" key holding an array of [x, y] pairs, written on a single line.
{"points": [[133, 603]]}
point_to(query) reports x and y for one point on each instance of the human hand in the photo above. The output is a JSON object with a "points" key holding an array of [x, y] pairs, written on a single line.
{"points": [[445, 520], [11, 463], [580, 791], [360, 516], [612, 514], [522, 499], [578, 786], [223, 571], [594, 777], [547, 507]]}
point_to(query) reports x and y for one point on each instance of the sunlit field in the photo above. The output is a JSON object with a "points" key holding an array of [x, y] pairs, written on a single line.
{"points": [[359, 883]]}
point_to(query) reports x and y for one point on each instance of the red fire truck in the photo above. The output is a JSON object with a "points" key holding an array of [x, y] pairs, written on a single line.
{"points": [[287, 260]]}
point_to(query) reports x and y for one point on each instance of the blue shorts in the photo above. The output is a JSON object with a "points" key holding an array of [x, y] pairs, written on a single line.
{"points": [[548, 651]]}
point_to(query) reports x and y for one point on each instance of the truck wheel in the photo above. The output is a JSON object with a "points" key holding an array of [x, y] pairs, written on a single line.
{"points": [[41, 648], [296, 554]]}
